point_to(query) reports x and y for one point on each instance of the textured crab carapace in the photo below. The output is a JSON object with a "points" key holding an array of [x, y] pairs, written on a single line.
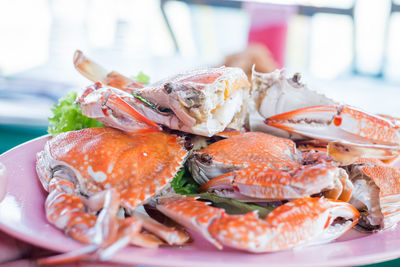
{"points": [[256, 166], [102, 170]]}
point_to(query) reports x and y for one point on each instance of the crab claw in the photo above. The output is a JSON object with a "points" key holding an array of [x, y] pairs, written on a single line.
{"points": [[111, 108], [94, 72], [305, 221], [194, 215], [343, 124], [256, 183], [118, 102], [105, 234]]}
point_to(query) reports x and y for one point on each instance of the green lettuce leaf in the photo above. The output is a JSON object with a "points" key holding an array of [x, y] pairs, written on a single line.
{"points": [[67, 116], [183, 183], [142, 78]]}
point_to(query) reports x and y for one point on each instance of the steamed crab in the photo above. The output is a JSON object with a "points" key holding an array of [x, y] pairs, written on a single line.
{"points": [[260, 167], [202, 102], [97, 203], [101, 169], [356, 139], [95, 176], [208, 101], [286, 107]]}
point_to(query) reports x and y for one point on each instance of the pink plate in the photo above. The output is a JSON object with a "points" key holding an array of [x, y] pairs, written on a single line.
{"points": [[22, 215]]}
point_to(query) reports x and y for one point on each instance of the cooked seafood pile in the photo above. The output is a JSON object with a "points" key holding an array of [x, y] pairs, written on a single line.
{"points": [[306, 168], [203, 102]]}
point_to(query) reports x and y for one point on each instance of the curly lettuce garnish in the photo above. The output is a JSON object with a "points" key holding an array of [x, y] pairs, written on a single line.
{"points": [[183, 183], [67, 116]]}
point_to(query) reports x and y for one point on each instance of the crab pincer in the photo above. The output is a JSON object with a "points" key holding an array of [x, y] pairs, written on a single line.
{"points": [[96, 73], [305, 221], [355, 133], [274, 93], [114, 108]]}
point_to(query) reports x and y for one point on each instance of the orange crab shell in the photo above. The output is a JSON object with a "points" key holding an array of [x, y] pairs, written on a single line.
{"points": [[137, 165], [255, 147], [300, 222], [258, 166], [193, 214], [384, 176], [303, 221]]}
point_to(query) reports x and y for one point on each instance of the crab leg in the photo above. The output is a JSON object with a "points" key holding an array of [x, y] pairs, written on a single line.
{"points": [[142, 239], [262, 183], [171, 235], [192, 214], [105, 233], [305, 221], [152, 230], [346, 153], [94, 72], [146, 240], [341, 124]]}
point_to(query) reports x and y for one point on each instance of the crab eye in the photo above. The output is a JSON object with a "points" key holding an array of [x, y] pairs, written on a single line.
{"points": [[187, 102], [204, 158]]}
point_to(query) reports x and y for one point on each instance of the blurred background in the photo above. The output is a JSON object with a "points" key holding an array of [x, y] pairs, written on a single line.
{"points": [[346, 49]]}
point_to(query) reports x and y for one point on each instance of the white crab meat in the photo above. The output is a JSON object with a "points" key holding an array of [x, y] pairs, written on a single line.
{"points": [[366, 197], [273, 93], [207, 100]]}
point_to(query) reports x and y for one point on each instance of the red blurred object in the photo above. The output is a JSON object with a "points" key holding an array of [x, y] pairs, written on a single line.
{"points": [[274, 38], [269, 27]]}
